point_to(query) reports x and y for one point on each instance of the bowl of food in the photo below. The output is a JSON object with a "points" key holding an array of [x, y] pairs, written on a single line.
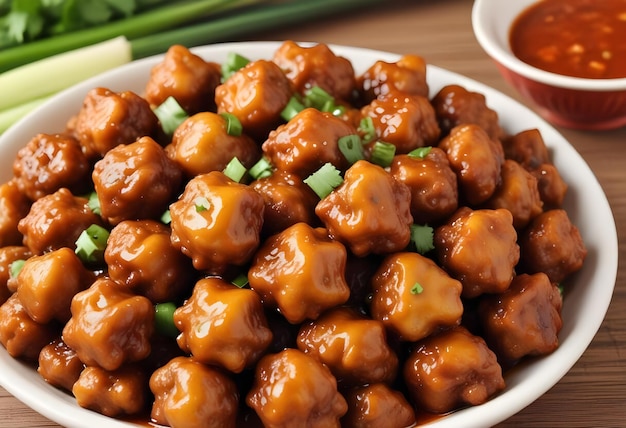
{"points": [[564, 58], [208, 249]]}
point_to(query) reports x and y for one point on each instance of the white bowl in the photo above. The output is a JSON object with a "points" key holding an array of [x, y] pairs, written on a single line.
{"points": [[584, 308]]}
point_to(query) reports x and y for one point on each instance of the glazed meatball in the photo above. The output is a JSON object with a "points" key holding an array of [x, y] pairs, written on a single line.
{"points": [[524, 320], [47, 283], [413, 297], [56, 221], [223, 325], [300, 271], [59, 365], [433, 185], [552, 244], [140, 255], [8, 255], [293, 389], [217, 222], [112, 393], [370, 212], [50, 162], [257, 94], [306, 142], [108, 119], [201, 144], [527, 148], [316, 65], [353, 347], [406, 121], [19, 334], [477, 161], [110, 326], [450, 370], [517, 192], [135, 181], [455, 105], [377, 406], [479, 248], [14, 205], [185, 76], [407, 75], [288, 200], [189, 394], [552, 187]]}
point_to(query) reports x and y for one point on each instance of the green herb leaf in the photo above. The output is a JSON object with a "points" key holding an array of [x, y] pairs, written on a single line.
{"points": [[417, 288], [241, 280], [91, 243], [164, 319], [351, 148], [293, 107], [422, 238], [234, 62], [235, 170], [324, 180], [170, 114], [420, 152]]}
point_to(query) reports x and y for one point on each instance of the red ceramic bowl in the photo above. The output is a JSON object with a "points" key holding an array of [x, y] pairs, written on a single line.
{"points": [[590, 104]]}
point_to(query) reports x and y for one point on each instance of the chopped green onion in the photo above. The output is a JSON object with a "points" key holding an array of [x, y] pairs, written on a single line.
{"points": [[261, 169], [417, 288], [383, 153], [170, 114], [233, 124], [164, 319], [420, 152], [94, 203], [234, 62], [367, 129], [351, 147], [293, 107], [166, 217], [202, 204], [235, 170], [422, 238], [91, 243], [324, 180], [241, 280], [16, 267], [319, 99], [559, 286]]}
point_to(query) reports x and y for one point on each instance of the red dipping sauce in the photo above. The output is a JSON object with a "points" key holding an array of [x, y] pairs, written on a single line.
{"points": [[580, 38]]}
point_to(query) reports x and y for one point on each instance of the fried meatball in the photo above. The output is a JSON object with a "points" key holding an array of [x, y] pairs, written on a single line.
{"points": [[110, 326], [217, 222], [189, 394], [407, 75], [377, 406], [300, 271], [404, 120], [8, 255], [108, 119], [56, 221], [292, 389], [517, 192], [140, 255], [455, 105], [413, 297], [14, 205], [316, 65], [223, 325], [49, 162], [524, 320], [433, 185], [552, 187], [479, 248], [185, 76], [202, 144], [552, 244], [112, 393], [450, 370], [306, 142], [59, 365], [47, 283], [477, 161], [527, 148], [257, 94], [135, 181], [353, 347]]}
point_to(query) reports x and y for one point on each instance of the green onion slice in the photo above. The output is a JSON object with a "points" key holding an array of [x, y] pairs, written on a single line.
{"points": [[16, 267], [233, 124], [293, 107], [351, 147], [367, 129], [420, 152], [241, 280], [324, 180], [234, 62], [164, 319], [94, 203], [422, 238], [91, 243], [383, 153], [166, 217], [261, 169], [170, 114], [417, 288], [235, 170], [201, 203], [319, 99]]}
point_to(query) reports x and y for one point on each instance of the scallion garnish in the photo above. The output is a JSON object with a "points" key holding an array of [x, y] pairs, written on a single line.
{"points": [[170, 114], [235, 170], [16, 267], [234, 62], [367, 130], [91, 243], [318, 98], [417, 288], [166, 217], [201, 203], [422, 238], [420, 152], [94, 203], [383, 153], [164, 319], [351, 148], [261, 169], [293, 107], [233, 124], [241, 280], [324, 180]]}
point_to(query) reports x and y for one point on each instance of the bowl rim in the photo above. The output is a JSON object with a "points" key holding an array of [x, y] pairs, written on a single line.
{"points": [[482, 10]]}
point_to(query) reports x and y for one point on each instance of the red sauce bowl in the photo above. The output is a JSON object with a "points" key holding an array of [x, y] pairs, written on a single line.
{"points": [[572, 102]]}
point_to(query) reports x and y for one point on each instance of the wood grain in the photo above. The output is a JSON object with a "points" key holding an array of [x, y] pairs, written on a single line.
{"points": [[592, 393]]}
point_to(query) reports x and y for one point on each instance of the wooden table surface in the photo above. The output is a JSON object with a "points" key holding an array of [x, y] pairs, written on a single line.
{"points": [[593, 393]]}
